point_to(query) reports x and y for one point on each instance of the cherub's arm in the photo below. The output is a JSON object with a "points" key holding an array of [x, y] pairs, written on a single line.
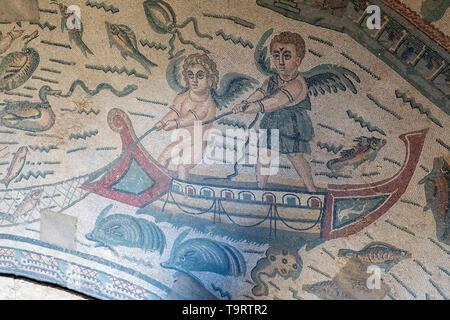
{"points": [[173, 114], [291, 94], [259, 93]]}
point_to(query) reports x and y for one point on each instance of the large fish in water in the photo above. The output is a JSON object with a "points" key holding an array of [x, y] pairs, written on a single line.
{"points": [[366, 149], [124, 39], [377, 253], [16, 166], [436, 185]]}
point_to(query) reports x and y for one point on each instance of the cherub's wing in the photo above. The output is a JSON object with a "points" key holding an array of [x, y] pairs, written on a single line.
{"points": [[330, 78], [173, 74], [232, 86], [262, 61]]}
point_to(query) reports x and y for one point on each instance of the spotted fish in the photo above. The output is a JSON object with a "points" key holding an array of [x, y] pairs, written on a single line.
{"points": [[124, 39], [365, 149], [377, 253], [328, 290]]}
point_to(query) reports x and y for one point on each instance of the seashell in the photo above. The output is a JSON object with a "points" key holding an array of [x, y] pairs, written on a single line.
{"points": [[127, 231], [205, 255], [160, 16]]}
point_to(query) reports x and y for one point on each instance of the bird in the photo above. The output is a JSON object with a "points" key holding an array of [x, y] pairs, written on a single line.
{"points": [[69, 18], [124, 39], [17, 67], [30, 116]]}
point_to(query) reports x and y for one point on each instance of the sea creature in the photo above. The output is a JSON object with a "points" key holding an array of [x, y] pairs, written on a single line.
{"points": [[17, 67], [124, 39], [328, 290], [71, 21], [277, 261], [436, 186], [187, 287], [16, 166], [30, 116], [367, 148], [28, 203], [434, 10], [163, 20], [201, 254], [124, 230], [377, 253]]}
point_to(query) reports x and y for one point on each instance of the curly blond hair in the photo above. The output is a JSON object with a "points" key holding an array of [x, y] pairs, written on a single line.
{"points": [[287, 37], [207, 63]]}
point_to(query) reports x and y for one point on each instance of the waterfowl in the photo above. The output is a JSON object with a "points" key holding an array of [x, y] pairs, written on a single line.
{"points": [[17, 67], [30, 116]]}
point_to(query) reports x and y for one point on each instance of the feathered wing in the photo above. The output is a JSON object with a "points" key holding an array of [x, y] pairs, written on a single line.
{"points": [[262, 61], [232, 86], [330, 78], [173, 74]]}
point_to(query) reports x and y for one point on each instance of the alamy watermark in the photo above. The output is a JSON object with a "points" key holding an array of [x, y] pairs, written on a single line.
{"points": [[374, 19], [230, 146]]}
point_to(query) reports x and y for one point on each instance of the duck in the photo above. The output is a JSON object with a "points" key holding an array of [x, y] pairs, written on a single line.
{"points": [[30, 116], [17, 67]]}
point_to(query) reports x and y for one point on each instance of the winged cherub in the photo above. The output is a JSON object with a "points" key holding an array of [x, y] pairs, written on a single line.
{"points": [[196, 103], [284, 100]]}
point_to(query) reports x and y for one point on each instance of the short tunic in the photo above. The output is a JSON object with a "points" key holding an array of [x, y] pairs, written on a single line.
{"points": [[293, 122]]}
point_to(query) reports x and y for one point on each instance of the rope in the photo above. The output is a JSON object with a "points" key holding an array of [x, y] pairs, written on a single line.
{"points": [[297, 229], [244, 226], [190, 212]]}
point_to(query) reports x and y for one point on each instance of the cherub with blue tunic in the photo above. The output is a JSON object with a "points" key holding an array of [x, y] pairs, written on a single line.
{"points": [[284, 100]]}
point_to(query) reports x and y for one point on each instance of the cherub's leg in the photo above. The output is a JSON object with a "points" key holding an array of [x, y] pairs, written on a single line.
{"points": [[168, 153], [263, 166], [303, 169], [196, 158]]}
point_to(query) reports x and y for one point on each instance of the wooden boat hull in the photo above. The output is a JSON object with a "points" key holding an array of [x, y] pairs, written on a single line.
{"points": [[339, 211]]}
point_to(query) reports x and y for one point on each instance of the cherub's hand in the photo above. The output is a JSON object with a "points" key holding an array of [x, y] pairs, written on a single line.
{"points": [[251, 107], [240, 107], [170, 125], [15, 33], [159, 125]]}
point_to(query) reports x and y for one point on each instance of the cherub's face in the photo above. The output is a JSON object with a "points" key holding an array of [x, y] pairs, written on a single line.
{"points": [[285, 58], [198, 78]]}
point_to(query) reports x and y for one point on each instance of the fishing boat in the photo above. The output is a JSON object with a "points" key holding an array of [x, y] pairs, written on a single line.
{"points": [[338, 211]]}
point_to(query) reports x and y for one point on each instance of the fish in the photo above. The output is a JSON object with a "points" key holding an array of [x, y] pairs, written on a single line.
{"points": [[124, 39], [328, 290], [277, 261], [205, 255], [16, 166], [76, 31], [377, 253], [124, 230], [436, 187], [28, 203], [366, 148]]}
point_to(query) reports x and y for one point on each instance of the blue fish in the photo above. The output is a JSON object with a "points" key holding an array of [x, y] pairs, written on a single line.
{"points": [[205, 255], [127, 231]]}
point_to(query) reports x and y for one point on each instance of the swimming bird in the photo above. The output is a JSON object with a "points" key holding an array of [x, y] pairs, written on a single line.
{"points": [[17, 67], [124, 39], [30, 116], [73, 24]]}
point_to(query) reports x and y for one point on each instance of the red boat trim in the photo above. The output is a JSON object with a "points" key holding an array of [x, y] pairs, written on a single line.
{"points": [[395, 186]]}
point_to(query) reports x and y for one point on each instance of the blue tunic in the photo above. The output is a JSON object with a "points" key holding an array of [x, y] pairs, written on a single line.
{"points": [[293, 122]]}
